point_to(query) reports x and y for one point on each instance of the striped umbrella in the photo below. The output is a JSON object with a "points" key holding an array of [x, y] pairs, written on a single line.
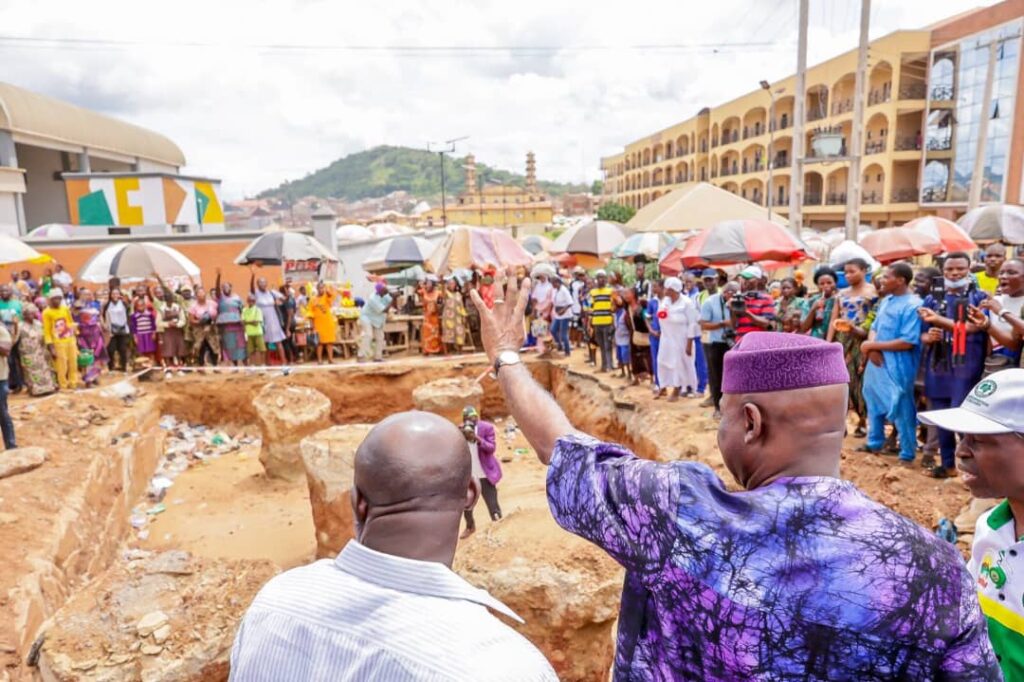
{"points": [[397, 253], [13, 250], [737, 241], [136, 262], [995, 223], [649, 245], [273, 248], [950, 235], [477, 247], [894, 243], [594, 237]]}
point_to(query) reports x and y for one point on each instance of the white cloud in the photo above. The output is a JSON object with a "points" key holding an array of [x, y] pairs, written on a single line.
{"points": [[255, 117]]}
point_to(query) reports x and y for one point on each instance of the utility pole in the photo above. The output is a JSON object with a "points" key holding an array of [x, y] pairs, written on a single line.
{"points": [[765, 85], [796, 180], [853, 179], [446, 148], [978, 175]]}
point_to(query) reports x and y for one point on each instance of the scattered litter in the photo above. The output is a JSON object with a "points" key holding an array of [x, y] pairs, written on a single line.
{"points": [[143, 535], [521, 452], [138, 520]]}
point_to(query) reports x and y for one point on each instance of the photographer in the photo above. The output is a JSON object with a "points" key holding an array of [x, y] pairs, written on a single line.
{"points": [[754, 311], [716, 322], [482, 441], [955, 348], [371, 319]]}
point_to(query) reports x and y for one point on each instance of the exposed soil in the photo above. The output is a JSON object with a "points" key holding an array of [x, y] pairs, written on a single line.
{"points": [[68, 518]]}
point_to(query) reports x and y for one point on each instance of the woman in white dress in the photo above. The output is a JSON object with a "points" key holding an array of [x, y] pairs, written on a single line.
{"points": [[679, 320]]}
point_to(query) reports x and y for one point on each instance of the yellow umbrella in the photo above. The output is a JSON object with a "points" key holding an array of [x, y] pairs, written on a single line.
{"points": [[13, 250]]}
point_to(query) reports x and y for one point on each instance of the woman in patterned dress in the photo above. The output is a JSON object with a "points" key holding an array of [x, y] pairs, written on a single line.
{"points": [[267, 300], [37, 373], [430, 332], [855, 303], [229, 320], [453, 317], [820, 309]]}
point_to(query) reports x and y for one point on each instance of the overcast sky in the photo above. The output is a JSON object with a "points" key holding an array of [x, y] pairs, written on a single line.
{"points": [[259, 92]]}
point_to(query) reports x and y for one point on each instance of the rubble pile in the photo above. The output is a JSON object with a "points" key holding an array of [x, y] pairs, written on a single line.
{"points": [[166, 617], [329, 459]]}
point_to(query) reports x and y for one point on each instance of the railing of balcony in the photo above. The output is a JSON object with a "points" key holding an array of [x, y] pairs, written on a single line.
{"points": [[704, 147], [942, 92], [932, 195], [842, 106], [871, 198], [835, 198], [668, 153], [781, 161], [875, 146], [879, 96], [913, 91], [815, 115], [905, 143], [746, 132], [812, 199], [905, 195], [940, 144]]}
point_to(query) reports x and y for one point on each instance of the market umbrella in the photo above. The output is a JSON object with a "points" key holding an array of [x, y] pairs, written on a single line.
{"points": [[273, 248], [950, 235], [13, 250], [51, 231], [894, 243], [353, 233], [536, 243], [469, 247], [995, 223], [737, 241], [649, 245], [397, 253], [138, 261], [593, 238]]}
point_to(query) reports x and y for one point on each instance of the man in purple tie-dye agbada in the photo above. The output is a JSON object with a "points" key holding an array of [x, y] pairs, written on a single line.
{"points": [[799, 576]]}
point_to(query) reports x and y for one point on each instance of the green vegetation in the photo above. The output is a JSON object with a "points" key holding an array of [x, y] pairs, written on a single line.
{"points": [[379, 171], [616, 212]]}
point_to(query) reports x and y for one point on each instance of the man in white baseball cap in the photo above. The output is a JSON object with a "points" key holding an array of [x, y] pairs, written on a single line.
{"points": [[990, 457]]}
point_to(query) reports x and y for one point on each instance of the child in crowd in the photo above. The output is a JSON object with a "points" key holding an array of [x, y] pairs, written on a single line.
{"points": [[622, 335], [92, 350], [791, 320], [252, 318], [143, 327]]}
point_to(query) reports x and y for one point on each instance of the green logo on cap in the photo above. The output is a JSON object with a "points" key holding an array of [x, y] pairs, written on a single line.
{"points": [[985, 388]]}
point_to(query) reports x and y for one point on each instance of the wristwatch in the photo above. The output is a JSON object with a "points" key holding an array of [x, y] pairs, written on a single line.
{"points": [[505, 357]]}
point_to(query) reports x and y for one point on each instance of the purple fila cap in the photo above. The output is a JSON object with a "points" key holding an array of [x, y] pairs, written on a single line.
{"points": [[763, 362]]}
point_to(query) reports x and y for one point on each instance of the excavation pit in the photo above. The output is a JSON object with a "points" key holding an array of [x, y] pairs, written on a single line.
{"points": [[81, 559]]}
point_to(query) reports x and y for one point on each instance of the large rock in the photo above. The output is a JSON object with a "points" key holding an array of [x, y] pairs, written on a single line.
{"points": [[448, 397], [566, 589], [20, 460], [287, 414], [329, 459], [153, 619]]}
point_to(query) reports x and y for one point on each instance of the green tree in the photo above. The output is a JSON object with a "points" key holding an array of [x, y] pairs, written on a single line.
{"points": [[597, 187], [616, 212]]}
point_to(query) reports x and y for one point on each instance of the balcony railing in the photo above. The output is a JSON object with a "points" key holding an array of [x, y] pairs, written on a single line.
{"points": [[657, 183], [835, 198], [842, 107], [940, 144], [781, 161], [879, 96], [941, 93], [704, 147], [906, 143], [875, 146], [815, 115], [933, 195], [905, 195], [871, 198], [913, 91], [812, 199]]}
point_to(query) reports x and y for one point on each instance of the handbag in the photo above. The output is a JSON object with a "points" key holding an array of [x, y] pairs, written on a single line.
{"points": [[641, 339]]}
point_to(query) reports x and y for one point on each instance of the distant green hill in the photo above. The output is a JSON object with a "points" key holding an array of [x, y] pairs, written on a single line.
{"points": [[379, 171]]}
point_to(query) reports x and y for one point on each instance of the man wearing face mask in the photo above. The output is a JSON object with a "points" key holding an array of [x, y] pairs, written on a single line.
{"points": [[955, 349]]}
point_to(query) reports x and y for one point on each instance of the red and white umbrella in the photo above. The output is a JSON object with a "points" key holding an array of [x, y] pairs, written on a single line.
{"points": [[597, 238], [895, 243], [737, 241], [950, 235]]}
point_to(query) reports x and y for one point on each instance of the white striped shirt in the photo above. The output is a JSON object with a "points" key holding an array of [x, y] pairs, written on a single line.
{"points": [[373, 616]]}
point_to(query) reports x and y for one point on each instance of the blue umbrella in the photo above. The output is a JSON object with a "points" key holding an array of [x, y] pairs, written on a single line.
{"points": [[650, 245]]}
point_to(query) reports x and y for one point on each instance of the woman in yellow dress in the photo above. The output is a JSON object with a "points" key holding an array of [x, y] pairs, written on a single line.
{"points": [[430, 332], [324, 322]]}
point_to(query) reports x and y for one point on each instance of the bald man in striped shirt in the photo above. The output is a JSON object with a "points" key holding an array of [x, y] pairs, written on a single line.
{"points": [[389, 606]]}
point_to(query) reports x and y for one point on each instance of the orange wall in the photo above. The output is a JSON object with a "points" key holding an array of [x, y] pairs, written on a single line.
{"points": [[207, 255]]}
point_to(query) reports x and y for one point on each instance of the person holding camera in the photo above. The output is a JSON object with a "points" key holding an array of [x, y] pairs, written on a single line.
{"points": [[955, 348], [372, 319], [716, 322], [754, 311], [486, 469]]}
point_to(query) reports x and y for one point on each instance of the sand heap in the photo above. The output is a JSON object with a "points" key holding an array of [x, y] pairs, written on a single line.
{"points": [[566, 589], [286, 415], [448, 397], [154, 617], [329, 459]]}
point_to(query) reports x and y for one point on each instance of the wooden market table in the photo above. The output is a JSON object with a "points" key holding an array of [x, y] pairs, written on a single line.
{"points": [[402, 332]]}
